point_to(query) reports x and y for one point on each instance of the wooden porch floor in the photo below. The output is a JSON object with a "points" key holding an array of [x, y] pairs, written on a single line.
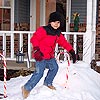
{"points": [[17, 66]]}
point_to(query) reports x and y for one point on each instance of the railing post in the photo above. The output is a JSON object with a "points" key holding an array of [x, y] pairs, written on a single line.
{"points": [[4, 44], [12, 45], [56, 49], [21, 41], [75, 42], [29, 51], [29, 45]]}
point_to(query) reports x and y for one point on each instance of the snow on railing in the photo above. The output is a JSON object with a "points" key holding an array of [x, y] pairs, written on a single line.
{"points": [[4, 35]]}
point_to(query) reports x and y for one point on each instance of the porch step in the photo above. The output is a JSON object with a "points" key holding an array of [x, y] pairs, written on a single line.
{"points": [[18, 66]]}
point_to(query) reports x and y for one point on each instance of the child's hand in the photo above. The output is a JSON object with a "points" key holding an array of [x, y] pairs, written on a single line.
{"points": [[38, 55], [72, 52]]}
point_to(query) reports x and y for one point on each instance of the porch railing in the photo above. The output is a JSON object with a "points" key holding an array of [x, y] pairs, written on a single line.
{"points": [[11, 34]]}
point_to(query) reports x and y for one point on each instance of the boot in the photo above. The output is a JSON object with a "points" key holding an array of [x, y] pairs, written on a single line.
{"points": [[51, 87], [25, 92]]}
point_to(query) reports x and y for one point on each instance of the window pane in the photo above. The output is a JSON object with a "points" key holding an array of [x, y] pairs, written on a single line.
{"points": [[5, 19], [7, 3]]}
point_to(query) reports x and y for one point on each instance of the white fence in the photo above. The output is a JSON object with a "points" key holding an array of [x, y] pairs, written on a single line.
{"points": [[11, 34]]}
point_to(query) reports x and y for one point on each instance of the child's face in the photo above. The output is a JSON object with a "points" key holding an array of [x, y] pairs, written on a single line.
{"points": [[55, 24]]}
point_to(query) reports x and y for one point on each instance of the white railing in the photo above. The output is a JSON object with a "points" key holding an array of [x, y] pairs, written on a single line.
{"points": [[4, 35]]}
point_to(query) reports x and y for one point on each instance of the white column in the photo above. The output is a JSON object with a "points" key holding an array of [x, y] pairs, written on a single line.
{"points": [[12, 28], [32, 15], [68, 17], [42, 12], [68, 14], [94, 8], [12, 15], [87, 39], [94, 28]]}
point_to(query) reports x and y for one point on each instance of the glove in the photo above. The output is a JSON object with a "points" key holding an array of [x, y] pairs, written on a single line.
{"points": [[38, 55], [72, 52]]}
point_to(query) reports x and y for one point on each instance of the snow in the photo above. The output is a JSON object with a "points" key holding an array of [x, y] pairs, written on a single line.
{"points": [[83, 84], [98, 63]]}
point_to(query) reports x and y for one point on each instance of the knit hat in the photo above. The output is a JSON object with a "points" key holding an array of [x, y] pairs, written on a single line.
{"points": [[55, 16]]}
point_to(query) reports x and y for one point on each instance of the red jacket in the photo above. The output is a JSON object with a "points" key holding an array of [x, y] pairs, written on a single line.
{"points": [[47, 43]]}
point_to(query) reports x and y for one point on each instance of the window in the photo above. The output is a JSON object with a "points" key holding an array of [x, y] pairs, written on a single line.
{"points": [[5, 13], [4, 19]]}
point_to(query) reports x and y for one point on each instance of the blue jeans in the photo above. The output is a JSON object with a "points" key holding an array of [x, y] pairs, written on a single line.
{"points": [[38, 73]]}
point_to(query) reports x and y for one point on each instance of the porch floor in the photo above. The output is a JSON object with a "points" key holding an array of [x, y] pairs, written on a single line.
{"points": [[17, 66]]}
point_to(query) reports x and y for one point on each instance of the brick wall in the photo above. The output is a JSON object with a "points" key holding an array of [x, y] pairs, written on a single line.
{"points": [[98, 44], [98, 32]]}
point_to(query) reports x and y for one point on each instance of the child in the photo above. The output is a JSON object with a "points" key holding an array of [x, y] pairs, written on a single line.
{"points": [[44, 41]]}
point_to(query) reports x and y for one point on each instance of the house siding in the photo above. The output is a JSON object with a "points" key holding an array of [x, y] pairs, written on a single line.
{"points": [[79, 6], [22, 11]]}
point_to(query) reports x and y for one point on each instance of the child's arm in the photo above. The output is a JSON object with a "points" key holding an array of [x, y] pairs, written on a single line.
{"points": [[66, 45]]}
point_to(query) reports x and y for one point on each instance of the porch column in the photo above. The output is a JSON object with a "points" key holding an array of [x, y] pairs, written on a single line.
{"points": [[68, 13], [42, 12], [12, 28], [88, 37], [94, 28], [32, 15]]}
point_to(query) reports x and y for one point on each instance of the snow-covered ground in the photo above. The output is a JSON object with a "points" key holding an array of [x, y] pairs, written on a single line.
{"points": [[83, 84]]}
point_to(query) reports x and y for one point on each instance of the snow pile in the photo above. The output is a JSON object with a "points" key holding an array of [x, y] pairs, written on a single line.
{"points": [[83, 84]]}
